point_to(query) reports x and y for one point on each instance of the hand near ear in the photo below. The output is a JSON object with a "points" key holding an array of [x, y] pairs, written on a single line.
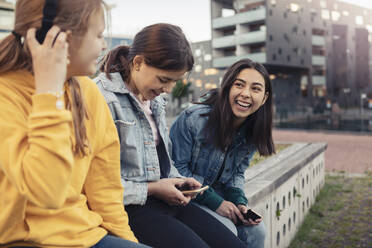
{"points": [[49, 59]]}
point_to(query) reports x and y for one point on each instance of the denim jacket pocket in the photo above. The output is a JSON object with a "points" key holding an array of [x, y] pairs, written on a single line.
{"points": [[131, 162]]}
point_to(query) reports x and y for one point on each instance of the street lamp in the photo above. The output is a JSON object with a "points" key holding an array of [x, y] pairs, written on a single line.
{"points": [[362, 97]]}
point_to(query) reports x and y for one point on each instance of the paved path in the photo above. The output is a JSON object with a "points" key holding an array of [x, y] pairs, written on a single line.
{"points": [[346, 152]]}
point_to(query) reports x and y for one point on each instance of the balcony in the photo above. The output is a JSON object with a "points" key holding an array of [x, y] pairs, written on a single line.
{"points": [[245, 17], [252, 37], [242, 39], [318, 60], [317, 40], [224, 62], [226, 41]]}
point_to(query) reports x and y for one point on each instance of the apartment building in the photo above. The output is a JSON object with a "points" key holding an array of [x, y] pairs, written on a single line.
{"points": [[6, 17], [315, 50]]}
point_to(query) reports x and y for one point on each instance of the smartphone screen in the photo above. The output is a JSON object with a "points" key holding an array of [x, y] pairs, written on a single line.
{"points": [[252, 215]]}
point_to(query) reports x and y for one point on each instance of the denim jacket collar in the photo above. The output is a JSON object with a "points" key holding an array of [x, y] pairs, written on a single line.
{"points": [[115, 85]]}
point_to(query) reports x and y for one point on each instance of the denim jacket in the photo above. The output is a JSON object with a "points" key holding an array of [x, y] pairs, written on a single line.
{"points": [[195, 157], [138, 155]]}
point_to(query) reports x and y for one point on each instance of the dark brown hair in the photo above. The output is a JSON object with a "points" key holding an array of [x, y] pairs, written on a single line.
{"points": [[72, 15], [163, 46], [221, 117]]}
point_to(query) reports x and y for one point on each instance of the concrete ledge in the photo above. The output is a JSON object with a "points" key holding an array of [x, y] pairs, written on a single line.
{"points": [[283, 187]]}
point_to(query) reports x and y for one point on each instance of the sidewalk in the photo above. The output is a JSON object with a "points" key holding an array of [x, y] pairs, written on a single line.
{"points": [[346, 152]]}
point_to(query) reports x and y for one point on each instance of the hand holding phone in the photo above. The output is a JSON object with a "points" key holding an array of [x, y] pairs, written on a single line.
{"points": [[194, 192], [250, 216]]}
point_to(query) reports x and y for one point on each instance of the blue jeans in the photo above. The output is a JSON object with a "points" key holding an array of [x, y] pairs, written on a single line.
{"points": [[110, 241], [252, 236]]}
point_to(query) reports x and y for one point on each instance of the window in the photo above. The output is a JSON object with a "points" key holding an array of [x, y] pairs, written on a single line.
{"points": [[294, 29], [369, 28], [286, 37], [198, 68], [345, 13], [198, 83], [325, 14], [210, 71], [210, 86], [228, 12], [6, 18], [197, 52], [207, 57], [323, 4], [359, 20], [294, 7], [336, 15]]}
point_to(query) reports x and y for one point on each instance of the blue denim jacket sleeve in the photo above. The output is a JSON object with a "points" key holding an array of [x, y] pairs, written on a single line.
{"points": [[181, 136], [238, 179]]}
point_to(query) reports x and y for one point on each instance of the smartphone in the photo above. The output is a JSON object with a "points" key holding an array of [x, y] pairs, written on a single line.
{"points": [[193, 192], [252, 215], [49, 14]]}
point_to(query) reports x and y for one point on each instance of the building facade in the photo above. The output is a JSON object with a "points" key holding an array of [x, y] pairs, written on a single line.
{"points": [[204, 76], [315, 50], [6, 18]]}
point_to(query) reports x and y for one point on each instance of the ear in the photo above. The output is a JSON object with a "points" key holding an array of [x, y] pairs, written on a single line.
{"points": [[265, 98], [138, 61]]}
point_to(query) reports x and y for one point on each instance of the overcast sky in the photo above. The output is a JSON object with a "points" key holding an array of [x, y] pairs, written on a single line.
{"points": [[193, 16]]}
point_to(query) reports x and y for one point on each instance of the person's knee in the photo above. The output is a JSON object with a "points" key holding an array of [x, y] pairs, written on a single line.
{"points": [[253, 236], [230, 225], [260, 231]]}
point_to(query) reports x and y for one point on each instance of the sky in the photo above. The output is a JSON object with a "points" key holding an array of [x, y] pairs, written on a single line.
{"points": [[193, 16]]}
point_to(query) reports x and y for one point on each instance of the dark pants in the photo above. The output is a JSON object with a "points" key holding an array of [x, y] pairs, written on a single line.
{"points": [[162, 226], [110, 241]]}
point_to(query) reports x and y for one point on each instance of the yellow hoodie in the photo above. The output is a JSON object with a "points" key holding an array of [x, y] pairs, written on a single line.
{"points": [[48, 196]]}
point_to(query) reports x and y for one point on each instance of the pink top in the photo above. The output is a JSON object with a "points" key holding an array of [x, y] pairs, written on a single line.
{"points": [[145, 105], [146, 108]]}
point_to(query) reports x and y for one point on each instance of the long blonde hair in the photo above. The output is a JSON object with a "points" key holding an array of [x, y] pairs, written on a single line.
{"points": [[72, 15]]}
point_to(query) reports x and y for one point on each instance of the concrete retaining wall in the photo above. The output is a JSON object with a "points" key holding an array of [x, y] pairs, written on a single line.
{"points": [[283, 187]]}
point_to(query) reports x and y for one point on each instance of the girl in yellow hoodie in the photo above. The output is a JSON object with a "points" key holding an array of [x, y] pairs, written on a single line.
{"points": [[59, 151]]}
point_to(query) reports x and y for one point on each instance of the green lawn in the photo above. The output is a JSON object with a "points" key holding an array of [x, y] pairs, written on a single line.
{"points": [[341, 215]]}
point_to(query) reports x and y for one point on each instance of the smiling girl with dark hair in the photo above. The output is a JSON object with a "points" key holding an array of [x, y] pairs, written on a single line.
{"points": [[214, 141]]}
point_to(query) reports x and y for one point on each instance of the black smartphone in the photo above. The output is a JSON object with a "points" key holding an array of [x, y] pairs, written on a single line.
{"points": [[49, 13], [252, 215], [184, 187]]}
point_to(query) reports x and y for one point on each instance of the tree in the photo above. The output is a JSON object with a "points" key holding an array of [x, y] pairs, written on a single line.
{"points": [[180, 90]]}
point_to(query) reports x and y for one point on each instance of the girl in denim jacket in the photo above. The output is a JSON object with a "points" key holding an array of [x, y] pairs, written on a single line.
{"points": [[133, 79], [214, 141]]}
